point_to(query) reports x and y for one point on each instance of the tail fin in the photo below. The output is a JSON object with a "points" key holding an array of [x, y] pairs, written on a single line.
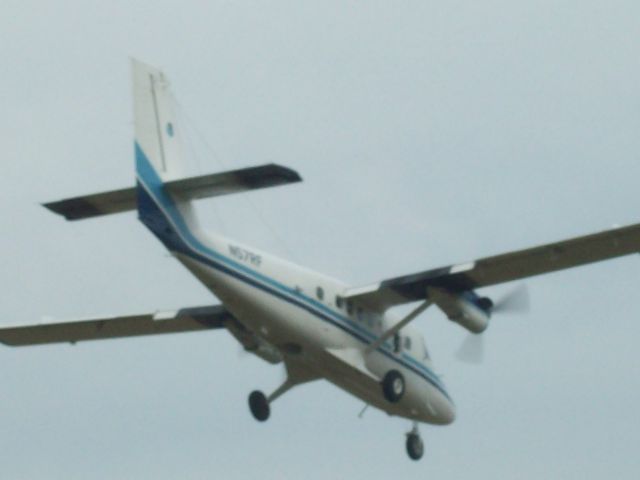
{"points": [[159, 159], [159, 164], [156, 131]]}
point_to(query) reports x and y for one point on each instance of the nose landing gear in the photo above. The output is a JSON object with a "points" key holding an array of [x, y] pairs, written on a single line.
{"points": [[415, 447]]}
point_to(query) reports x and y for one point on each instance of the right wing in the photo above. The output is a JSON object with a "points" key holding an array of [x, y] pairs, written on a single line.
{"points": [[501, 268], [184, 320]]}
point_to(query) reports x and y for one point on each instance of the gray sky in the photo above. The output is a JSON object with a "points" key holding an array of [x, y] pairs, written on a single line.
{"points": [[427, 133]]}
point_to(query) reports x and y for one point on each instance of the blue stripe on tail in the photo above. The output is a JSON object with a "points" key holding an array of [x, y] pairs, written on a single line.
{"points": [[149, 212]]}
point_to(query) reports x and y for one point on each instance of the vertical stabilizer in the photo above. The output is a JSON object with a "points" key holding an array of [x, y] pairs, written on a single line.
{"points": [[163, 196], [159, 159], [156, 131]]}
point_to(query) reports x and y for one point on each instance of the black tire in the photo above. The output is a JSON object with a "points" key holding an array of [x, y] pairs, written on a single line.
{"points": [[393, 386], [415, 447], [259, 406]]}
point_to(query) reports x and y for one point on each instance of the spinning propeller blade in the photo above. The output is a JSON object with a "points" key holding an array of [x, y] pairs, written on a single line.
{"points": [[516, 301], [472, 349]]}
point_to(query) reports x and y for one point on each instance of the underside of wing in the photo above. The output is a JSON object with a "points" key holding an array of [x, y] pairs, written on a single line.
{"points": [[502, 268], [184, 320]]}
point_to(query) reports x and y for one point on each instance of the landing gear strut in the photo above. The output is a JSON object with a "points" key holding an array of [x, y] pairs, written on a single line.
{"points": [[415, 447], [259, 403]]}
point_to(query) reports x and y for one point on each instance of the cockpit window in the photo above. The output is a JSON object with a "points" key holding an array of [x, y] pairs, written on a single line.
{"points": [[407, 343], [349, 307]]}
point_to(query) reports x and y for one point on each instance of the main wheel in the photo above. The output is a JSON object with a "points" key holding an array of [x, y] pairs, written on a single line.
{"points": [[393, 386], [259, 406], [415, 447]]}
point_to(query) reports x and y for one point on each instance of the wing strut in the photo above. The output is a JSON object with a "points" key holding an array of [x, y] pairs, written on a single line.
{"points": [[398, 326]]}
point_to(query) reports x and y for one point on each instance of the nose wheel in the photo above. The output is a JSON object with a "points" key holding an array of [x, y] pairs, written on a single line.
{"points": [[415, 447]]}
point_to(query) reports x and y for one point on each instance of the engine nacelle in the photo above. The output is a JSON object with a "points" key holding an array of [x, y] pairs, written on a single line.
{"points": [[466, 308], [470, 316]]}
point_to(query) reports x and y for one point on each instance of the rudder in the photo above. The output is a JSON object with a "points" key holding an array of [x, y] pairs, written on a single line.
{"points": [[157, 132]]}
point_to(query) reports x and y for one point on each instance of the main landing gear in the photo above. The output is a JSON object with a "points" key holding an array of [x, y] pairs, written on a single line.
{"points": [[259, 403], [415, 447], [259, 406], [393, 386]]}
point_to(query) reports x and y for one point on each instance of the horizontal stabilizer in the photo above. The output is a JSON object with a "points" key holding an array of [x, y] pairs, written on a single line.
{"points": [[105, 203], [184, 320], [193, 188], [234, 181]]}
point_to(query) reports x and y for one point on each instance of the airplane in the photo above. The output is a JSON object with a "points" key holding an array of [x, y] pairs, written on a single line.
{"points": [[316, 326]]}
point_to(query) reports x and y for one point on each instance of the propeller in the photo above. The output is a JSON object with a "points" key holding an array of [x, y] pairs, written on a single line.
{"points": [[472, 349], [516, 301]]}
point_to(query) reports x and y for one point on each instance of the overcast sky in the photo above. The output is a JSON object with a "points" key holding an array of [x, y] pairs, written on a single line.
{"points": [[428, 133]]}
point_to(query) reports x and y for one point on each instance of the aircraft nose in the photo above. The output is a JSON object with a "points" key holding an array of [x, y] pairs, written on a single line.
{"points": [[442, 411], [445, 411], [448, 413]]}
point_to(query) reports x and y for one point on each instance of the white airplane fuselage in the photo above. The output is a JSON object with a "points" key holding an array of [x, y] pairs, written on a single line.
{"points": [[299, 312]]}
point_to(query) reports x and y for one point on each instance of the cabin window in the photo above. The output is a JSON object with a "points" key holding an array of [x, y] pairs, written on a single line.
{"points": [[339, 301], [349, 307], [320, 293], [397, 345]]}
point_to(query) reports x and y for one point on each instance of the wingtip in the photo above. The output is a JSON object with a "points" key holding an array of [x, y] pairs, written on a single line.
{"points": [[72, 209], [54, 207], [288, 173]]}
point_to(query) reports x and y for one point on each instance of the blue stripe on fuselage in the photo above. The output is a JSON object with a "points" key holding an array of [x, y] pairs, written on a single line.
{"points": [[158, 211]]}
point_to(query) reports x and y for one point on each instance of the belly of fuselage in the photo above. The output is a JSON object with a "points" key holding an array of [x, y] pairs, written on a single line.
{"points": [[292, 325]]}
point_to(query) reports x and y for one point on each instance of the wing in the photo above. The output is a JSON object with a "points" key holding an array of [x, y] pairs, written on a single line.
{"points": [[502, 268], [184, 320]]}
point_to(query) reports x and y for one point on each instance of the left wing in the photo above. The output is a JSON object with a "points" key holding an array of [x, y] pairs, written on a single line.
{"points": [[501, 268], [184, 320]]}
